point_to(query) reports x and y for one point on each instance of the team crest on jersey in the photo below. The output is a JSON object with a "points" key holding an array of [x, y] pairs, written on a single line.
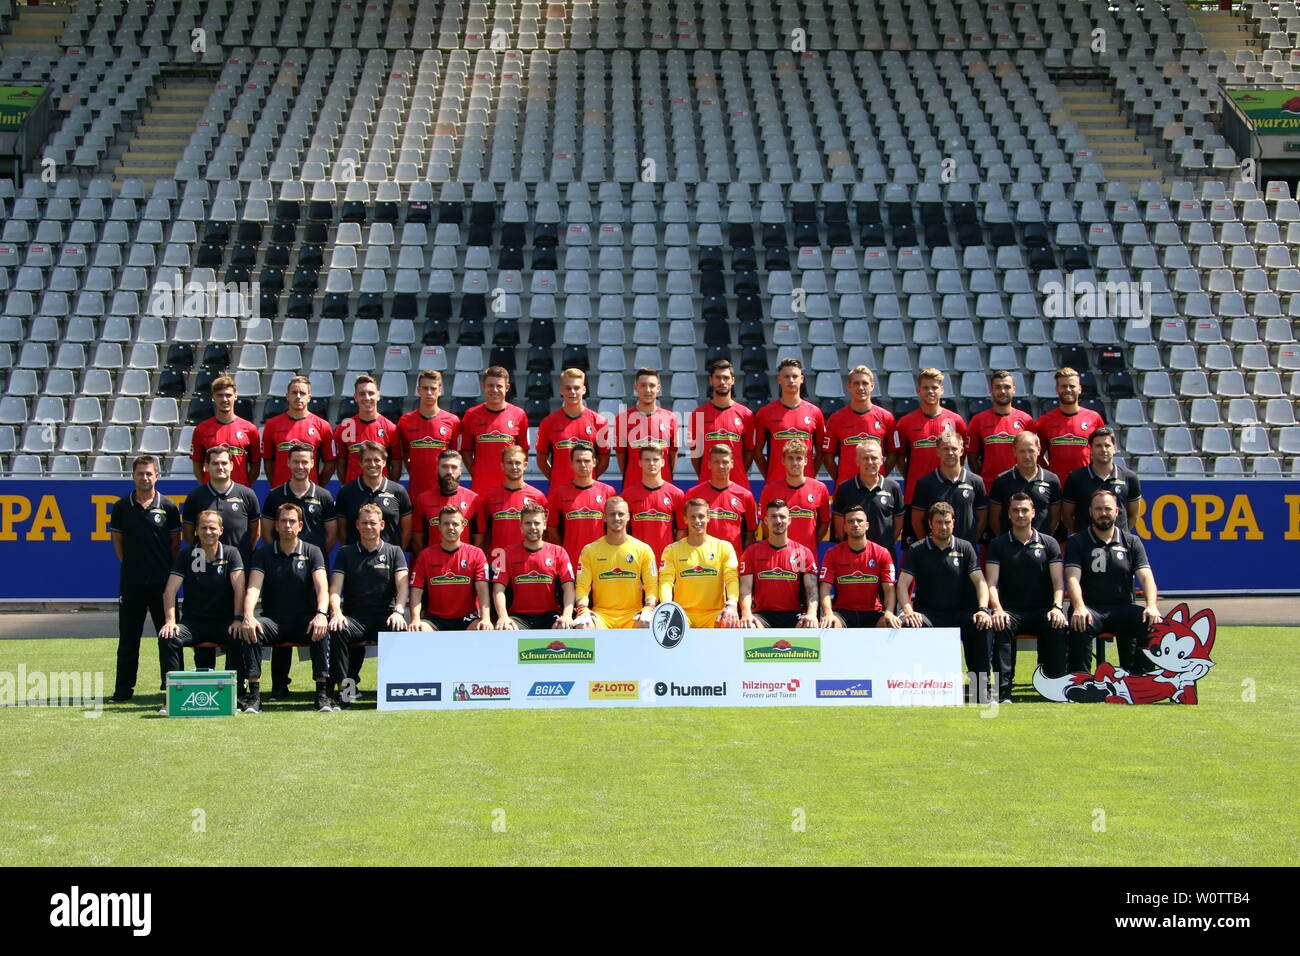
{"points": [[234, 506], [311, 431], [810, 498], [1119, 554], [589, 429], [157, 517], [871, 562], [239, 436], [807, 419], [599, 499], [380, 433], [549, 562], [629, 559], [442, 430], [464, 563]]}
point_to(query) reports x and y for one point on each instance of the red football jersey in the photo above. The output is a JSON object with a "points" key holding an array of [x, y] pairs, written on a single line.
{"points": [[778, 574], [733, 426], [1065, 438], [486, 433], [421, 441], [239, 435], [499, 514], [917, 436], [775, 424], [557, 434], [447, 579], [847, 429], [656, 514], [857, 576], [579, 513], [533, 578], [281, 433], [431, 502], [731, 511], [994, 436], [352, 433], [810, 505], [633, 430]]}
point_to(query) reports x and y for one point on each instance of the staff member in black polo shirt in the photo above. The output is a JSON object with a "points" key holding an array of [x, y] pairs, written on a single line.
{"points": [[1031, 478], [954, 483], [146, 532], [1102, 472], [236, 503], [372, 488], [1026, 593], [950, 592], [1101, 563], [289, 577], [370, 579], [211, 575], [880, 497]]}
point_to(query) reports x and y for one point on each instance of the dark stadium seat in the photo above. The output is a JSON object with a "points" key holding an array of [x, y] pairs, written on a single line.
{"points": [[317, 406], [539, 359], [504, 356], [1073, 356], [171, 383], [536, 409], [216, 356], [459, 406], [1110, 358], [180, 356], [541, 332], [437, 331], [347, 408], [469, 331], [199, 410], [274, 405], [392, 407], [575, 356], [757, 388], [1120, 385], [505, 332]]}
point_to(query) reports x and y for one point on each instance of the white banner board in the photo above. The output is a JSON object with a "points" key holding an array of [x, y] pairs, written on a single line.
{"points": [[670, 666]]}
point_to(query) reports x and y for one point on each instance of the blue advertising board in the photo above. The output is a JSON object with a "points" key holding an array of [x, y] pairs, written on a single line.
{"points": [[1230, 536]]}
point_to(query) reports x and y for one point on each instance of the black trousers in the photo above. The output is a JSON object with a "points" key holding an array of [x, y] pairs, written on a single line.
{"points": [[1052, 644], [448, 623], [361, 629], [976, 644], [132, 606], [328, 655], [206, 632], [535, 622], [772, 618], [860, 618], [1125, 622], [281, 662]]}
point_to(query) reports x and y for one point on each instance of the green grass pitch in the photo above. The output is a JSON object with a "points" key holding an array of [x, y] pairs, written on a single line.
{"points": [[1038, 783]]}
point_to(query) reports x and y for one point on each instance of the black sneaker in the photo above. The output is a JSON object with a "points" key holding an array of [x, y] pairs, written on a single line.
{"points": [[323, 703], [120, 697], [253, 705], [279, 692], [340, 702]]}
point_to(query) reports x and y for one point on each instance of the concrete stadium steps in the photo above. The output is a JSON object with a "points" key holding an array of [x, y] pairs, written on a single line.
{"points": [[161, 135], [1110, 136], [36, 26], [1226, 31]]}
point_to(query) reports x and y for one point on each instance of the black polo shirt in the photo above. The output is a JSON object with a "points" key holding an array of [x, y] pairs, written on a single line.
{"points": [[317, 506], [146, 539], [966, 494], [881, 502], [1024, 572], [1107, 570], [287, 591], [369, 578], [391, 498], [942, 575], [1044, 487], [1084, 482], [205, 585], [238, 507]]}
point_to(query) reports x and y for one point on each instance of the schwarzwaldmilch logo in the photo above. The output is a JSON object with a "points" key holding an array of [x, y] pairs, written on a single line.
{"points": [[573, 650], [668, 625], [766, 650]]}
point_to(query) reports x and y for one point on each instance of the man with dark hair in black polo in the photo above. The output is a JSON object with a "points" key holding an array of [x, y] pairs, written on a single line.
{"points": [[372, 488], [146, 530], [236, 503], [958, 486], [1023, 570], [1101, 472], [1031, 478], [950, 592], [1101, 563], [211, 575], [369, 581], [289, 577]]}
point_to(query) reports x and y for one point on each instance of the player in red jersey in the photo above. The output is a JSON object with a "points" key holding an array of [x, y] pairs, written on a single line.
{"points": [[455, 576], [294, 427], [722, 421], [366, 425], [787, 418], [991, 434], [424, 526], [578, 507], [857, 579], [1064, 431], [572, 422], [655, 504], [539, 578], [778, 576], [424, 433], [226, 428], [646, 425], [857, 422], [500, 508], [488, 428], [916, 436], [732, 516], [809, 501]]}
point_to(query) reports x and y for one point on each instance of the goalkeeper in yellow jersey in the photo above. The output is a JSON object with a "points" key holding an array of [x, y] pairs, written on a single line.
{"points": [[700, 572], [617, 584]]}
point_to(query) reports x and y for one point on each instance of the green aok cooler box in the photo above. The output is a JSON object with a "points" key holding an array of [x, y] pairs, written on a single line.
{"points": [[203, 693]]}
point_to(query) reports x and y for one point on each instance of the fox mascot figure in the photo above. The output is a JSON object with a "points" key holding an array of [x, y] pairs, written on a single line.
{"points": [[1179, 646]]}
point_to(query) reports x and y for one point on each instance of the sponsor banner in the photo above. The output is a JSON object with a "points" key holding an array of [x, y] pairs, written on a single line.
{"points": [[1270, 112], [16, 102], [1202, 536]]}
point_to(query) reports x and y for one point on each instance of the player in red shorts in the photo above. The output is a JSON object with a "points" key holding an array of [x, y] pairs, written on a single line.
{"points": [[487, 428], [424, 523], [295, 427], [366, 425], [655, 504], [991, 434], [571, 423], [1064, 431], [787, 418], [722, 421], [859, 421], [778, 577], [647, 425], [732, 514], [226, 428], [539, 578], [578, 507], [916, 435], [857, 579], [809, 501], [426, 432], [451, 579], [500, 508]]}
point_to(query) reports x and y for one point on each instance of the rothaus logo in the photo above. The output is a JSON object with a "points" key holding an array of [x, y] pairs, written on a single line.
{"points": [[668, 625], [1086, 299], [405, 692], [77, 909]]}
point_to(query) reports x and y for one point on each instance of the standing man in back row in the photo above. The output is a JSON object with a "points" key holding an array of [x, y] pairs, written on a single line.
{"points": [[916, 437], [229, 430], [568, 425], [297, 426], [645, 425], [788, 418], [1065, 429], [425, 432], [488, 428], [858, 423], [722, 421], [992, 433], [366, 425]]}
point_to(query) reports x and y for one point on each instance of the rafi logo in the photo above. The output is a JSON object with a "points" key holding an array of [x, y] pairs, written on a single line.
{"points": [[765, 650], [551, 688], [844, 689], [668, 625], [405, 692], [573, 650], [201, 700]]}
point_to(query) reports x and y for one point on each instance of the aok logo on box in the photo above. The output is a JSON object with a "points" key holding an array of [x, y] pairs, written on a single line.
{"points": [[551, 688], [613, 690], [201, 700], [766, 650], [405, 692]]}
